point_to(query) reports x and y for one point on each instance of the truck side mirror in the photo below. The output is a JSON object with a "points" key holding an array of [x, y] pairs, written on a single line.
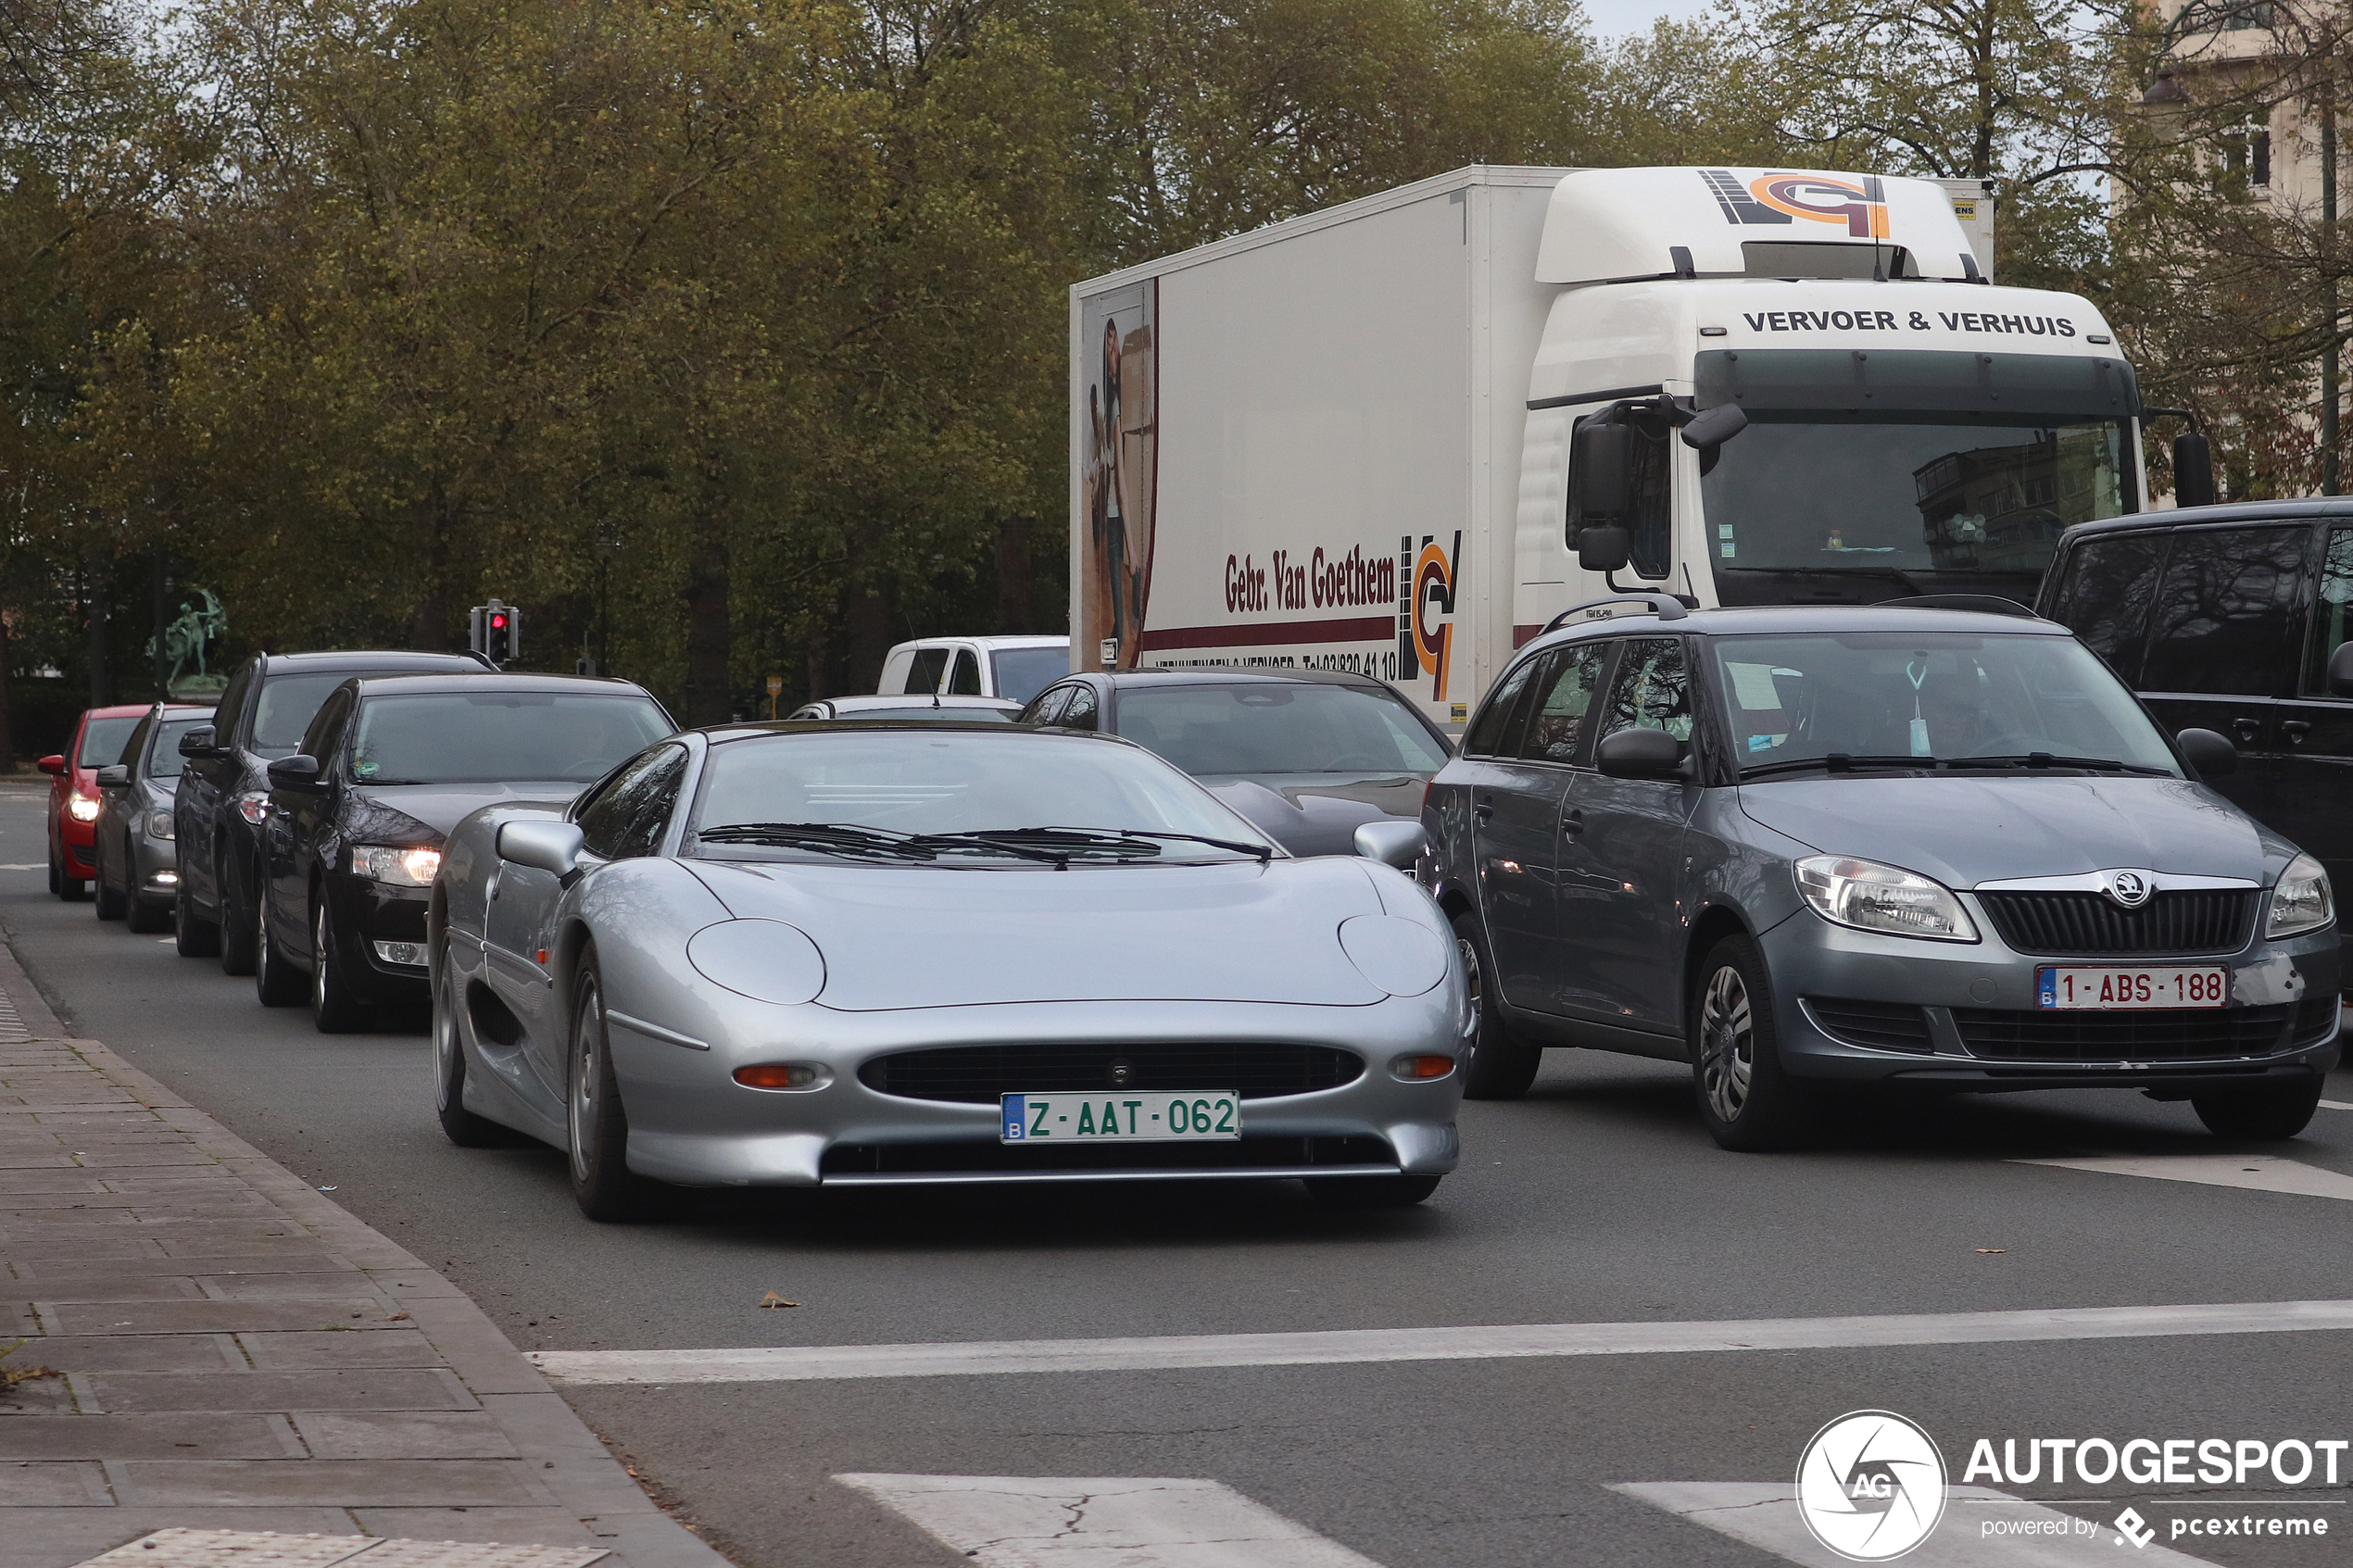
{"points": [[2341, 670], [2211, 753], [1604, 549], [2193, 471], [1714, 427], [1597, 470]]}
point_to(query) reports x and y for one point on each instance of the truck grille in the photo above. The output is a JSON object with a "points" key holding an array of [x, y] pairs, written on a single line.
{"points": [[2170, 1035], [2094, 925], [1888, 1026], [978, 1075]]}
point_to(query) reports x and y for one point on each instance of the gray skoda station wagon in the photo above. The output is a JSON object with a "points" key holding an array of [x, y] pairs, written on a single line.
{"points": [[1931, 848]]}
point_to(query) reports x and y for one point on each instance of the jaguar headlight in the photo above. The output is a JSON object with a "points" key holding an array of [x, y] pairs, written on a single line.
{"points": [[414, 866], [1870, 896], [2301, 901]]}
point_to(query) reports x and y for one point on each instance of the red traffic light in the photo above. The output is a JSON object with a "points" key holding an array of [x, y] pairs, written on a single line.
{"points": [[499, 623]]}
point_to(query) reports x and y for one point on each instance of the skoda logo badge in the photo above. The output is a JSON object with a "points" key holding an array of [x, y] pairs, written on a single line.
{"points": [[2130, 889]]}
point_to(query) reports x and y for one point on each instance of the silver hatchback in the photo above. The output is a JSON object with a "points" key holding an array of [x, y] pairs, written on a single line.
{"points": [[1882, 847]]}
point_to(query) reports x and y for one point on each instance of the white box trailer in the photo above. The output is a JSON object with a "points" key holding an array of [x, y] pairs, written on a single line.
{"points": [[1342, 441]]}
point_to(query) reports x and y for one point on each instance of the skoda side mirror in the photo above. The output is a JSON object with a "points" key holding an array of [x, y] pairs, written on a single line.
{"points": [[198, 743], [1714, 427], [2341, 670], [1640, 754], [297, 772], [553, 848], [2211, 754], [1597, 470], [2193, 471], [113, 777], [1394, 841]]}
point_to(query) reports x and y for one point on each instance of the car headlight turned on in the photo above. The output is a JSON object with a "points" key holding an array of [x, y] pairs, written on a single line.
{"points": [[159, 825], [1870, 896], [82, 808], [2301, 901], [412, 867]]}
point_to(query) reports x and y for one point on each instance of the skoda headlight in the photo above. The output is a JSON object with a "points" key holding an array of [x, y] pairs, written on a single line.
{"points": [[2301, 901], [159, 825], [1870, 896], [413, 867]]}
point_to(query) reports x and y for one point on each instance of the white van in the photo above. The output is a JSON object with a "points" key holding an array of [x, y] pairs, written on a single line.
{"points": [[1013, 667]]}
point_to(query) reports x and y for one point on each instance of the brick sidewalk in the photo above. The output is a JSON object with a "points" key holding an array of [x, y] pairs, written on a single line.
{"points": [[236, 1352]]}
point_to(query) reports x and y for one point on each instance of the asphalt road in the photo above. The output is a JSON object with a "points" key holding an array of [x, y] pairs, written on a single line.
{"points": [[1596, 1199]]}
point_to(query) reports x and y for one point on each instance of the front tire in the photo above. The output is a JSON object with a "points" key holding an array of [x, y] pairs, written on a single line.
{"points": [[1746, 1100], [1502, 1066], [2275, 1110], [596, 1126], [109, 904], [238, 952], [274, 981], [194, 936], [334, 1006], [1371, 1192], [461, 1126]]}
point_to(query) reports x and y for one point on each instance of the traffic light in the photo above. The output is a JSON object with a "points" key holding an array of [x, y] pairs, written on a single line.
{"points": [[494, 631]]}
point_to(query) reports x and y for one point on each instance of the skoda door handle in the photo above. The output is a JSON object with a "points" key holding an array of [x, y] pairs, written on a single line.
{"points": [[2248, 729], [1573, 822], [2296, 729], [1481, 810]]}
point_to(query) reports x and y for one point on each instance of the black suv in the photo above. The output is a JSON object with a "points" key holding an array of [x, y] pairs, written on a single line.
{"points": [[224, 794], [2227, 618]]}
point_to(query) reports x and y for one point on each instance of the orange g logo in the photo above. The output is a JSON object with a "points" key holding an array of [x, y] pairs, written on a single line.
{"points": [[1859, 203], [1433, 596]]}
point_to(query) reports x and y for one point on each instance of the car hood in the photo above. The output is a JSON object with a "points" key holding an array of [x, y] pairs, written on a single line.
{"points": [[911, 936], [440, 808], [1317, 813], [1966, 831]]}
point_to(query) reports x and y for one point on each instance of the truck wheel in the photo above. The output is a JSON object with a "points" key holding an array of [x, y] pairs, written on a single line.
{"points": [[1746, 1100], [2275, 1110], [274, 981], [1502, 1066], [194, 936], [237, 950]]}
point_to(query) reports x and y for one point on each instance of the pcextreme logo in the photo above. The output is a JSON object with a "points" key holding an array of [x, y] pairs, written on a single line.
{"points": [[1858, 201], [1870, 1486]]}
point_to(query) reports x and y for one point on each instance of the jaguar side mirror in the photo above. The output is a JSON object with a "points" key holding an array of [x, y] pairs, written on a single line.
{"points": [[553, 848], [2341, 670], [198, 743], [113, 777], [1640, 754], [297, 772], [1393, 842], [2211, 753]]}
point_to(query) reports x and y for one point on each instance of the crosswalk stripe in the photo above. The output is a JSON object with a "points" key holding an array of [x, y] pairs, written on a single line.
{"points": [[1764, 1514], [1116, 1522], [1335, 1347], [2256, 1172], [2336, 1105]]}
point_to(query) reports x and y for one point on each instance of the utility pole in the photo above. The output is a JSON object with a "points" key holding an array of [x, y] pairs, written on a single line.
{"points": [[2331, 351]]}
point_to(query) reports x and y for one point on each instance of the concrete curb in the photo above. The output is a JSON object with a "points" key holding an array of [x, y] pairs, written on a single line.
{"points": [[558, 1453]]}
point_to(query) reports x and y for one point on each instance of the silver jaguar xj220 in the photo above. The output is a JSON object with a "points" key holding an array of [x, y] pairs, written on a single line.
{"points": [[807, 953]]}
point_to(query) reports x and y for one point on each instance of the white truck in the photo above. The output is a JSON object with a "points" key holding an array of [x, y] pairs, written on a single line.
{"points": [[1345, 441]]}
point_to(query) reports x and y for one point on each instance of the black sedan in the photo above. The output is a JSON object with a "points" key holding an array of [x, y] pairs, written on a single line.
{"points": [[1309, 756], [351, 841]]}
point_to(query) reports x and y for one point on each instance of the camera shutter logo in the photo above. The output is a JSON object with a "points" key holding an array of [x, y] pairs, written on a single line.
{"points": [[1870, 1486]]}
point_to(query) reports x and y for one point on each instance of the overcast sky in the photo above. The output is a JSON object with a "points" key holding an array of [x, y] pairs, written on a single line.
{"points": [[1612, 17]]}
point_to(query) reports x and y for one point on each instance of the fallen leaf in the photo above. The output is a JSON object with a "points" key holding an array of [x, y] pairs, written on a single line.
{"points": [[1989, 1251], [398, 1317], [773, 1299]]}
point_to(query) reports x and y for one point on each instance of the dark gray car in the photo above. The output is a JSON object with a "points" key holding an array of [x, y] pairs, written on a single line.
{"points": [[134, 844], [1309, 756], [1881, 847]]}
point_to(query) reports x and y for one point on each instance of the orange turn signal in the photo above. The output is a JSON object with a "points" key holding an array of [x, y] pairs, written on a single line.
{"points": [[776, 1075], [1422, 1066]]}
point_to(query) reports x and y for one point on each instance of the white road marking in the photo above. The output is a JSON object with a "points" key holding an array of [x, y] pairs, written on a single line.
{"points": [[27, 866], [1764, 1514], [1340, 1347], [2336, 1105], [1121, 1522], [2256, 1172]]}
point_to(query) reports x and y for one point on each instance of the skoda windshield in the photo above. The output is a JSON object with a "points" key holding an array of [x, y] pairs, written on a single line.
{"points": [[948, 797], [1930, 701]]}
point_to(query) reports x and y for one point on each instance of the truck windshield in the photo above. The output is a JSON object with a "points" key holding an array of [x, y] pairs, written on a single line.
{"points": [[1932, 504]]}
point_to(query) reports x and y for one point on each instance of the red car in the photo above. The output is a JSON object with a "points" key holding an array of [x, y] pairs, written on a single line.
{"points": [[73, 792]]}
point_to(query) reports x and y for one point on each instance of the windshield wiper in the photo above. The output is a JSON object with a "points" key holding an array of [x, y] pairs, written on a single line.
{"points": [[1124, 844], [1840, 762], [829, 839], [2052, 759]]}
